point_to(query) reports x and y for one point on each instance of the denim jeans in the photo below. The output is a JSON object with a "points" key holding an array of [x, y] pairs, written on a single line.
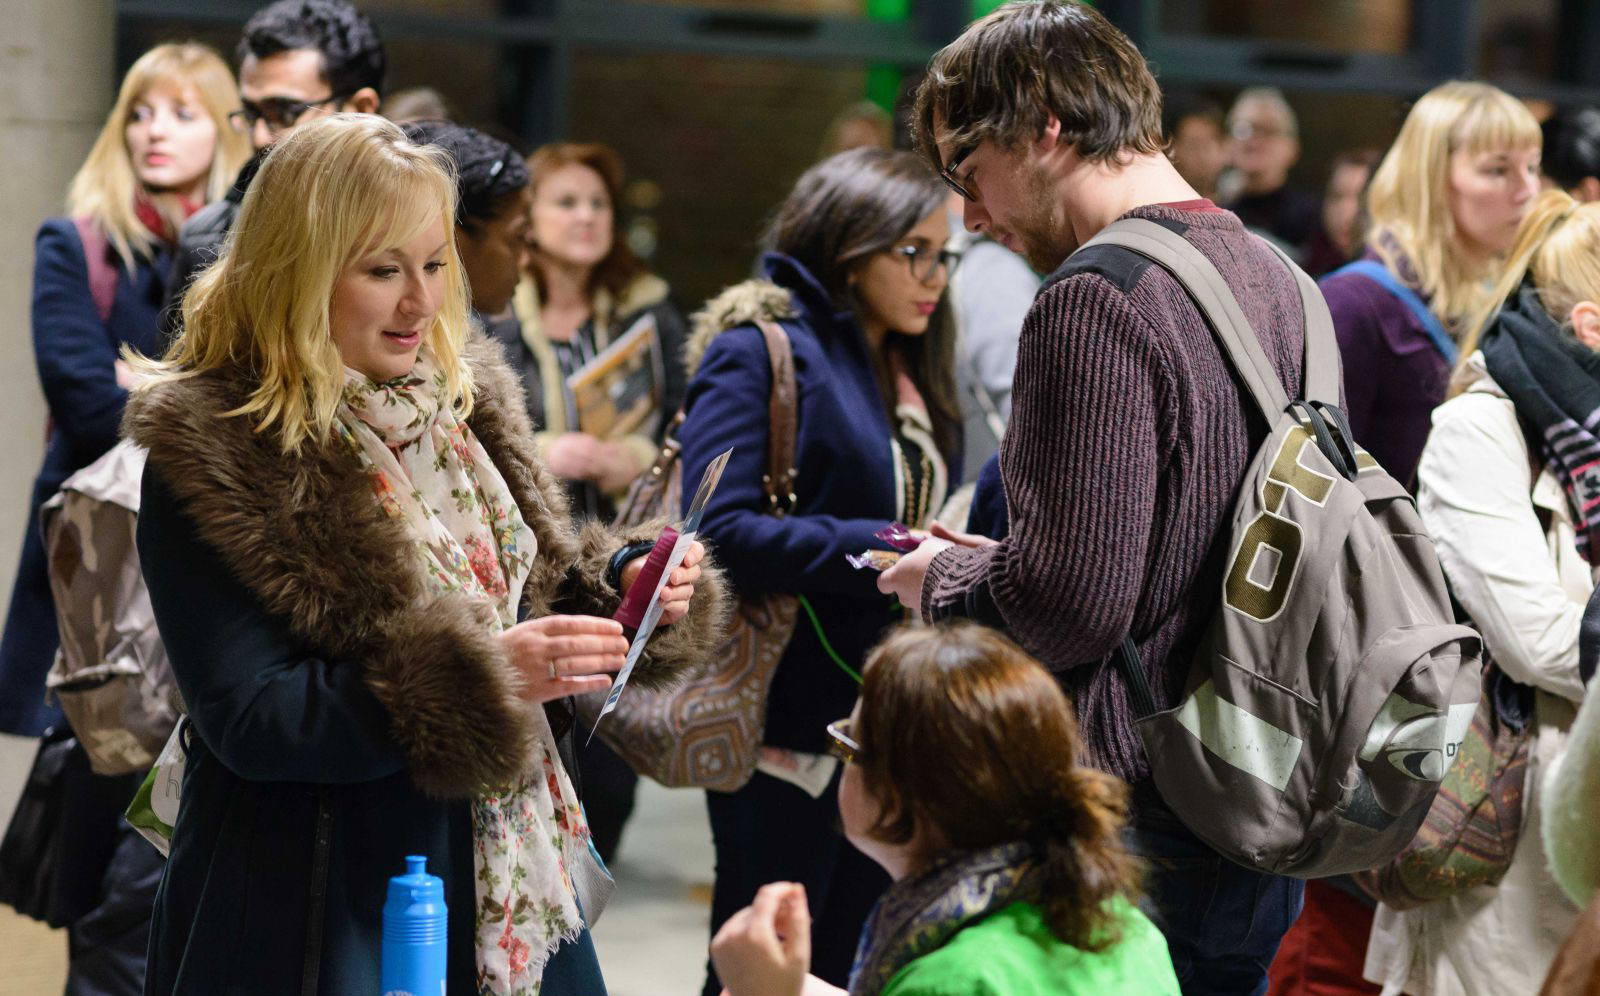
{"points": [[1222, 921]]}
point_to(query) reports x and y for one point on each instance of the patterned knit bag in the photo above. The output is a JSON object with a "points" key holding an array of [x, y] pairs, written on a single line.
{"points": [[1472, 827], [706, 732]]}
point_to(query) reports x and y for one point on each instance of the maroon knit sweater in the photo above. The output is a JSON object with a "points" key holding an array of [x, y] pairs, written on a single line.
{"points": [[1129, 438]]}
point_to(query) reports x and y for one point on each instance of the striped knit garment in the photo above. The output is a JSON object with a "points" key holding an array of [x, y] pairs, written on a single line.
{"points": [[1128, 440]]}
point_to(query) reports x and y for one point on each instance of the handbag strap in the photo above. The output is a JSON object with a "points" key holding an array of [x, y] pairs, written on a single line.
{"points": [[783, 415], [1380, 275], [1240, 344]]}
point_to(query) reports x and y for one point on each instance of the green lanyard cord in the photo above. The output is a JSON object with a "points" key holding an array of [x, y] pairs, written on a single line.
{"points": [[822, 638]]}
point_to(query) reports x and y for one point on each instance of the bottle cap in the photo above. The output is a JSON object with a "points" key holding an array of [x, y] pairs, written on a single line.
{"points": [[416, 886]]}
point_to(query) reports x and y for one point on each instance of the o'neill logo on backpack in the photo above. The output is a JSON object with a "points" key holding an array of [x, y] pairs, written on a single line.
{"points": [[1264, 569]]}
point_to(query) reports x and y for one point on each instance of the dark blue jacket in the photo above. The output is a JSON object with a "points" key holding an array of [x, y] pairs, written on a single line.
{"points": [[74, 351], [845, 487], [989, 515], [344, 714], [334, 817]]}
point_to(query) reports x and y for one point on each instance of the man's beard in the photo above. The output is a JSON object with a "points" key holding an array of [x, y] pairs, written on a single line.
{"points": [[1043, 237]]}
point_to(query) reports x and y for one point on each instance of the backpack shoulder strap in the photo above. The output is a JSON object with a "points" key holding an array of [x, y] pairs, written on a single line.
{"points": [[1217, 303], [1321, 370], [102, 275], [1380, 275]]}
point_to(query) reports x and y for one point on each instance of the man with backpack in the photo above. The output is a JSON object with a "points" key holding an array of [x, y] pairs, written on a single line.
{"points": [[1130, 434]]}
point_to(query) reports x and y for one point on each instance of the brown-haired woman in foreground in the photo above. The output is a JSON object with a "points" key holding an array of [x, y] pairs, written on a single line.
{"points": [[962, 781]]}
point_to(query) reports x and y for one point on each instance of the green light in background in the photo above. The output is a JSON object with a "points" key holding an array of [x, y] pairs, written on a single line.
{"points": [[883, 81]]}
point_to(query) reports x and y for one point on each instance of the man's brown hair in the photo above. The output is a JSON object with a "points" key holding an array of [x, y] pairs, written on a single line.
{"points": [[1012, 71], [962, 729]]}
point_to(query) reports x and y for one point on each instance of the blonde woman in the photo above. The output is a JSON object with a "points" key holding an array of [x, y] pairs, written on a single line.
{"points": [[367, 587], [98, 279], [1445, 203], [165, 149], [1505, 488]]}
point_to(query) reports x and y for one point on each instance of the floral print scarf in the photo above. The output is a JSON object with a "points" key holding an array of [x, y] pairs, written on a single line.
{"points": [[430, 471]]}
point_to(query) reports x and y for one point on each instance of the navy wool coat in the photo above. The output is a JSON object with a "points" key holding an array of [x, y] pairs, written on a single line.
{"points": [[845, 488], [74, 351]]}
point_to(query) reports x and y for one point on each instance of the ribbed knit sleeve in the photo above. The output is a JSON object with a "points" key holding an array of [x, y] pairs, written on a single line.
{"points": [[1080, 463]]}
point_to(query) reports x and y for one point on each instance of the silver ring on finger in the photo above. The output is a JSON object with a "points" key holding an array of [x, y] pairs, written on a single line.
{"points": [[552, 670]]}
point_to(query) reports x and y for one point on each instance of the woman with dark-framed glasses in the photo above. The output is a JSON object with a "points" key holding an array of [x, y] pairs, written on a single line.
{"points": [[962, 781], [856, 278]]}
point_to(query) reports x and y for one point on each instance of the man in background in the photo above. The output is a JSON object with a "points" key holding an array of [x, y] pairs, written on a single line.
{"points": [[299, 60], [1264, 144]]}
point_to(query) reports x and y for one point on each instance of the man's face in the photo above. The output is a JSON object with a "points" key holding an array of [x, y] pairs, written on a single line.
{"points": [[1263, 145], [278, 84], [1013, 202]]}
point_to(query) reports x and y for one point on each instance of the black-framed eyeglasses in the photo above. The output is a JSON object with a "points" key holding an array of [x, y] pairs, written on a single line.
{"points": [[280, 113], [841, 741], [948, 172], [923, 260]]}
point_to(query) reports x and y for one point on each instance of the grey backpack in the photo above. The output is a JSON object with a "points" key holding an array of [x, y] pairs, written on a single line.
{"points": [[1334, 686]]}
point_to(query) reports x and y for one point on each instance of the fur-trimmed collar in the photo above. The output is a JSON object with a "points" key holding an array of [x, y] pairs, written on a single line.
{"points": [[307, 536], [740, 304]]}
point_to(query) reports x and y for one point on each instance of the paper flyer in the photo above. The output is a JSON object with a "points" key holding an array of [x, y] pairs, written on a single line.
{"points": [[652, 615]]}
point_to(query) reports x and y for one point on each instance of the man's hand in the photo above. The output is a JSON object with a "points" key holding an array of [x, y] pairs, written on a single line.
{"points": [[961, 539], [904, 580]]}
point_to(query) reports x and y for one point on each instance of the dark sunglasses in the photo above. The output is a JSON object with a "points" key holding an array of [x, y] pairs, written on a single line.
{"points": [[280, 113], [948, 172], [841, 742], [923, 260]]}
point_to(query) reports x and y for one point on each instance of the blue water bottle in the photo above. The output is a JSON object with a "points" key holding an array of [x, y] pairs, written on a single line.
{"points": [[414, 926]]}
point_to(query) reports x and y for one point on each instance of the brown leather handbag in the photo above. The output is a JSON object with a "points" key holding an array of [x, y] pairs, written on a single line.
{"points": [[705, 733]]}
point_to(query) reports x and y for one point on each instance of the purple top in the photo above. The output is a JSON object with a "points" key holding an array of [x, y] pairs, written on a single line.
{"points": [[1393, 374]]}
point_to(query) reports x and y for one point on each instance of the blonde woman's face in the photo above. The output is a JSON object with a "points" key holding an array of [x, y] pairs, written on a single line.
{"points": [[572, 216], [383, 305], [1490, 193], [171, 140]]}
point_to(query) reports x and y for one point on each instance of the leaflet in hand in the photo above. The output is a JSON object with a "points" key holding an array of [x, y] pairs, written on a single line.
{"points": [[679, 546]]}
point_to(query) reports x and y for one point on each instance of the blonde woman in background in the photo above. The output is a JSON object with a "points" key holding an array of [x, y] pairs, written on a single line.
{"points": [[1445, 203], [1505, 488], [99, 274]]}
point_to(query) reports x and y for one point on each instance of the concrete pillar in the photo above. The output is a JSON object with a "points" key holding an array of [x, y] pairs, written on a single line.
{"points": [[56, 86]]}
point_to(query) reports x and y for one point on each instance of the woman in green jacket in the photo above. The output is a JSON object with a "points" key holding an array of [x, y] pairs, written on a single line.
{"points": [[961, 780]]}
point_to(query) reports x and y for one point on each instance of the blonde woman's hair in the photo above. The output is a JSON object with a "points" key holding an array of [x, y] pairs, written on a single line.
{"points": [[330, 194], [1408, 198], [1558, 247], [106, 189]]}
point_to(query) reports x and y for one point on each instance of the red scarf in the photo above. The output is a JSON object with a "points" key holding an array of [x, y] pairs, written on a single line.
{"points": [[152, 218]]}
